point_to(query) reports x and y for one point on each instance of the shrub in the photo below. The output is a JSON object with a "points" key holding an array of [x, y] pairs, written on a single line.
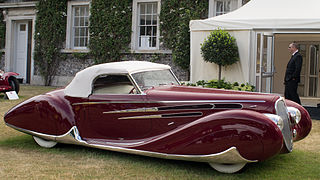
{"points": [[222, 84]]}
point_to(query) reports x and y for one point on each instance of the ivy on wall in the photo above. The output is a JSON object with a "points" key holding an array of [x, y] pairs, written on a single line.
{"points": [[174, 26], [110, 29], [2, 31], [50, 33]]}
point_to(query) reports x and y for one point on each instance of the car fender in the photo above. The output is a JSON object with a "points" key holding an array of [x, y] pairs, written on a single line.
{"points": [[4, 79], [7, 75], [254, 135], [303, 128], [43, 114]]}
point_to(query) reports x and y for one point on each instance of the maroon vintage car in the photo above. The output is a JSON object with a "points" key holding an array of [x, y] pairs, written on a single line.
{"points": [[9, 82], [141, 108]]}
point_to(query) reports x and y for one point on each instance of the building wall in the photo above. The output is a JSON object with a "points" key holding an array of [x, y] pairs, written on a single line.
{"points": [[201, 70], [68, 68], [2, 57]]}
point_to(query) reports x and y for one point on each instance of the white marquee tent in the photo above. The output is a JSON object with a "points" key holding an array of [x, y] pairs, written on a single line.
{"points": [[267, 14], [257, 19]]}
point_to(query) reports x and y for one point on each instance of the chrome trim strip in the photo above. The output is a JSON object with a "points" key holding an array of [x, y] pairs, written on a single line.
{"points": [[162, 108], [168, 102], [153, 109], [172, 115], [142, 117], [69, 137], [230, 155]]}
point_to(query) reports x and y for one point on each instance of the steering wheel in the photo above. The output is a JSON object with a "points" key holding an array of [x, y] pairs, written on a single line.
{"points": [[132, 91]]}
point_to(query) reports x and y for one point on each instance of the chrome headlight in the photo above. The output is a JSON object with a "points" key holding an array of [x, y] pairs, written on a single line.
{"points": [[276, 119], [295, 114]]}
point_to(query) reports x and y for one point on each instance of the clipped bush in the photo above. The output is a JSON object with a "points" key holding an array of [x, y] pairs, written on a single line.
{"points": [[222, 84], [220, 48]]}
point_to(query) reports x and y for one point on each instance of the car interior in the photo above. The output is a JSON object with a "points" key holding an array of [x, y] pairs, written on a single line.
{"points": [[113, 84]]}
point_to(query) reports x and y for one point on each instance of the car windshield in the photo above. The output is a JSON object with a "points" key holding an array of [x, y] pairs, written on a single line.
{"points": [[148, 79]]}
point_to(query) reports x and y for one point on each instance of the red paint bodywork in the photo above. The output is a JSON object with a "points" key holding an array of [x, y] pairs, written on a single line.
{"points": [[4, 81], [211, 131], [303, 128]]}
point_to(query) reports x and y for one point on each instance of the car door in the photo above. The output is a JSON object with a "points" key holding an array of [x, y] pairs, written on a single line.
{"points": [[113, 101]]}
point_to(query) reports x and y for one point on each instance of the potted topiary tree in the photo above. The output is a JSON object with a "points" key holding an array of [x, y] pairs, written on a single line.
{"points": [[220, 48]]}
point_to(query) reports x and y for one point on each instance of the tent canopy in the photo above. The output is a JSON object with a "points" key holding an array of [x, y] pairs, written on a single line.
{"points": [[266, 14]]}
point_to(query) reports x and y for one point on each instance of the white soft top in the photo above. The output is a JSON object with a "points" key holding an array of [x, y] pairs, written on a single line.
{"points": [[81, 85]]}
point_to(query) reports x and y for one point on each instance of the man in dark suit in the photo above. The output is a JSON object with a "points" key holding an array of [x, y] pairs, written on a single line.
{"points": [[292, 76]]}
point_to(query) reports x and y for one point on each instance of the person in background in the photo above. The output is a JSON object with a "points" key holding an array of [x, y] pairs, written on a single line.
{"points": [[292, 76]]}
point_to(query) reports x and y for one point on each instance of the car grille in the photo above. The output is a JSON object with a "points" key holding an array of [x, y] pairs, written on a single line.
{"points": [[282, 111]]}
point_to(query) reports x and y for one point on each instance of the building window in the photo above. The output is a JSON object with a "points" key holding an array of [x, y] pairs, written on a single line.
{"points": [[219, 7], [145, 25], [223, 7], [78, 25], [148, 20]]}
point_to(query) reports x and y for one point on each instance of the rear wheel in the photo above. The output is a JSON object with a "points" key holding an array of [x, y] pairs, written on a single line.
{"points": [[14, 83], [44, 143], [227, 168]]}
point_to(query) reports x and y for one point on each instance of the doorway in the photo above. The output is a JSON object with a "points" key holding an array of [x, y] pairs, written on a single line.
{"points": [[309, 85], [264, 62], [22, 50]]}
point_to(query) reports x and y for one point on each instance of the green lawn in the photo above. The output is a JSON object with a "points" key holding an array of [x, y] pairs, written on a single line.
{"points": [[21, 158]]}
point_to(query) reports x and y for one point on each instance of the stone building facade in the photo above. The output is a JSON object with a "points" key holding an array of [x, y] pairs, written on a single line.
{"points": [[19, 17]]}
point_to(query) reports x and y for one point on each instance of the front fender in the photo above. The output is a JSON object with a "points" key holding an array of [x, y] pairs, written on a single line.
{"points": [[303, 128], [254, 135]]}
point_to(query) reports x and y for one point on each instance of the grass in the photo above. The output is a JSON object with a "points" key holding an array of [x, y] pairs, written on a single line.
{"points": [[21, 158]]}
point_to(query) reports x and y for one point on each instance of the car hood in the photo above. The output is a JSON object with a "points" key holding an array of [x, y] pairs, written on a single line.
{"points": [[171, 93]]}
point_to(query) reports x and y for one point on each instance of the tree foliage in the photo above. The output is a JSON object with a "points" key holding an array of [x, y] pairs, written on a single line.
{"points": [[110, 29], [220, 48], [50, 33], [174, 26]]}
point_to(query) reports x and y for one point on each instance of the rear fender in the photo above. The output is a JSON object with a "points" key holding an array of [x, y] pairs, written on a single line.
{"points": [[254, 135], [43, 114]]}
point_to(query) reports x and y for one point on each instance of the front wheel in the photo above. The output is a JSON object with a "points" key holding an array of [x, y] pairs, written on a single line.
{"points": [[227, 168], [14, 83], [44, 143]]}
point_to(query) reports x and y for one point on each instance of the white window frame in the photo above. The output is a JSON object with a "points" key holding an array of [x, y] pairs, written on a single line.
{"points": [[70, 17], [235, 4], [135, 27]]}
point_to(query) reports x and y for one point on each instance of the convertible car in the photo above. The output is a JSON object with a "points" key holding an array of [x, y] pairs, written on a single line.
{"points": [[140, 108], [8, 81]]}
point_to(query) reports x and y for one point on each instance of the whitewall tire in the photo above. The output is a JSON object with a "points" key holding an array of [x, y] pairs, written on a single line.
{"points": [[227, 168], [44, 143]]}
